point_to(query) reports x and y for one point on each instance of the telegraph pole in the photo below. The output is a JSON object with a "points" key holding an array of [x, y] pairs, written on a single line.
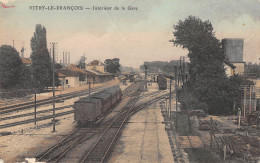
{"points": [[53, 85], [170, 99], [176, 97], [84, 61], [145, 76], [34, 106], [89, 88]]}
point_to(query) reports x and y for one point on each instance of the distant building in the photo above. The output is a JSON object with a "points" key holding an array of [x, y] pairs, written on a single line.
{"points": [[96, 65], [233, 49], [72, 76], [26, 61]]}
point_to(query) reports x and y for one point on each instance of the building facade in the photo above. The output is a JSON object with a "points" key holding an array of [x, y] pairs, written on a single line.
{"points": [[96, 65]]}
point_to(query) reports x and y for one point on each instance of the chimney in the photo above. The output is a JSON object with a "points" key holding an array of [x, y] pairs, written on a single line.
{"points": [[63, 60], [66, 59], [69, 58]]}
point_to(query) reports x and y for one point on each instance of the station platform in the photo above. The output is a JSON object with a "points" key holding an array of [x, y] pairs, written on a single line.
{"points": [[144, 138]]}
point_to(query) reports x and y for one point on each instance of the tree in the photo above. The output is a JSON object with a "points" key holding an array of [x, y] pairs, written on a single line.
{"points": [[207, 82], [25, 77], [41, 61], [10, 67], [166, 67], [252, 70], [57, 66], [81, 63], [112, 65]]}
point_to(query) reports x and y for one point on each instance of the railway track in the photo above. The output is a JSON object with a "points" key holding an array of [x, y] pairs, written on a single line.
{"points": [[57, 114], [57, 151], [66, 96], [79, 135], [152, 94], [100, 150], [129, 91], [38, 112], [32, 113]]}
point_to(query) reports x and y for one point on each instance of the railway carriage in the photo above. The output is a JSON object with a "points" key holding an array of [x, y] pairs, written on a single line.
{"points": [[106, 100], [162, 82], [115, 93], [89, 109]]}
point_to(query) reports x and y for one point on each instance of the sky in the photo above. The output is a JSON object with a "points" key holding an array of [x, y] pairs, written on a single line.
{"points": [[134, 36]]}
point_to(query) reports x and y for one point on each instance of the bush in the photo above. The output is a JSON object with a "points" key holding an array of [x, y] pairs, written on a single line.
{"points": [[188, 101], [204, 107]]}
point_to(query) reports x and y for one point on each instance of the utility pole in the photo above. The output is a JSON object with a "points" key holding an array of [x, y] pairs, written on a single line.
{"points": [[245, 92], [170, 99], [89, 88], [53, 85], [176, 97], [183, 74], [13, 43], [84, 61], [145, 77], [211, 132], [34, 106]]}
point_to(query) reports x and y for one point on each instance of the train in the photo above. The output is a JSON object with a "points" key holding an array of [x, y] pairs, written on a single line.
{"points": [[88, 110], [162, 82]]}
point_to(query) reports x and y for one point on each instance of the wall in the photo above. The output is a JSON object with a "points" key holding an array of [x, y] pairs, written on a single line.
{"points": [[72, 82], [240, 68], [257, 86], [99, 68]]}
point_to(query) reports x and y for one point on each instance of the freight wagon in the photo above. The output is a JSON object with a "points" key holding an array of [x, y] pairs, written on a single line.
{"points": [[87, 110]]}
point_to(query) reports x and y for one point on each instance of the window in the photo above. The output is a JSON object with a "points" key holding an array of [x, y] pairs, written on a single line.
{"points": [[67, 81]]}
